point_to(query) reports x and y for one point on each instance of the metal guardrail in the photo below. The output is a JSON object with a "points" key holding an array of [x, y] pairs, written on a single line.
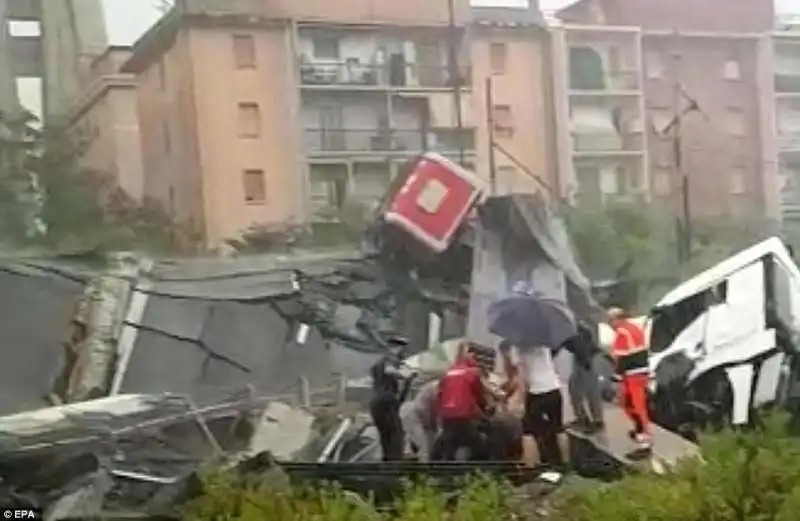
{"points": [[354, 73], [386, 140]]}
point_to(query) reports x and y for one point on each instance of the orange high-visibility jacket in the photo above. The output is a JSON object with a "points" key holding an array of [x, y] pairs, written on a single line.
{"points": [[629, 350]]}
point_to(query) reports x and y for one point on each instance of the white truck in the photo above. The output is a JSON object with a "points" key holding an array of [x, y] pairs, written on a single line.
{"points": [[724, 343]]}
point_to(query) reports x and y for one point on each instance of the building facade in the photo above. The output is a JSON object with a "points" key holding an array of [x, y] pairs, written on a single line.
{"points": [[21, 57], [630, 66], [510, 52], [266, 112], [786, 45], [105, 113], [45, 52]]}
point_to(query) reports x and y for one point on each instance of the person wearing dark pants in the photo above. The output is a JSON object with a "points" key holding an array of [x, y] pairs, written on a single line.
{"points": [[460, 434], [460, 404], [584, 384], [390, 389], [544, 421], [544, 405]]}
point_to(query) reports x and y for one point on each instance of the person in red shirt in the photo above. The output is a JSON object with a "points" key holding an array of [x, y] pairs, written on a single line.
{"points": [[461, 402], [630, 354]]}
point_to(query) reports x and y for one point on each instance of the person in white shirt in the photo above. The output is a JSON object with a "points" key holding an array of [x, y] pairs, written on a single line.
{"points": [[544, 404]]}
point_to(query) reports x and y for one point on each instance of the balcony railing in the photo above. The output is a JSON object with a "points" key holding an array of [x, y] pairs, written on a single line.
{"points": [[789, 141], [787, 83], [387, 75], [607, 142], [608, 81], [386, 140]]}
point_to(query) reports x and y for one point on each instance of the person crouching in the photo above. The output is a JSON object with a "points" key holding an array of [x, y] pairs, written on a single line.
{"points": [[420, 420], [461, 403]]}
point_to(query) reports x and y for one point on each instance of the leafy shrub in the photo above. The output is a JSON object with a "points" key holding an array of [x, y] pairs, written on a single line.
{"points": [[753, 476], [231, 498]]}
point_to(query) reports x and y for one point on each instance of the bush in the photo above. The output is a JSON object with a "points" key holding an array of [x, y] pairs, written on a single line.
{"points": [[751, 476], [231, 498]]}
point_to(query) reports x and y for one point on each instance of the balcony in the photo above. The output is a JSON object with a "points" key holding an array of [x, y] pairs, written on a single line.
{"points": [[385, 141], [789, 142], [787, 83], [609, 82], [607, 143], [352, 74]]}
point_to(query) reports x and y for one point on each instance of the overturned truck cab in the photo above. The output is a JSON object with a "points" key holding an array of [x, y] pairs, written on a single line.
{"points": [[725, 343]]}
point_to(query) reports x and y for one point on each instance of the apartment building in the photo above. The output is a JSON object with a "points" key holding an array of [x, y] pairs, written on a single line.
{"points": [[45, 49], [630, 66], [21, 62], [786, 45], [511, 50], [271, 111]]}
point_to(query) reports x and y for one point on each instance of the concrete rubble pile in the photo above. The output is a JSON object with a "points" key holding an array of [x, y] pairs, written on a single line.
{"points": [[126, 378], [121, 380]]}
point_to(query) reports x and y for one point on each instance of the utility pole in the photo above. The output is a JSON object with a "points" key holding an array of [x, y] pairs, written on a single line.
{"points": [[490, 133], [683, 220], [455, 74]]}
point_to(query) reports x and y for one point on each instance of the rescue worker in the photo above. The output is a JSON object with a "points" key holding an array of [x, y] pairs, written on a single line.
{"points": [[461, 403], [630, 355], [420, 420], [389, 388]]}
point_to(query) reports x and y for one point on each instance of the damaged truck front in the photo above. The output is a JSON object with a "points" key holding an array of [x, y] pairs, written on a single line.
{"points": [[724, 343]]}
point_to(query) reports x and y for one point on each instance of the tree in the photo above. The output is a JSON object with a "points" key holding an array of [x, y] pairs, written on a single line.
{"points": [[632, 241], [47, 198], [332, 228]]}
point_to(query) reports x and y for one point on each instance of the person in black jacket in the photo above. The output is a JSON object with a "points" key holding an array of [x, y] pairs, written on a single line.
{"points": [[584, 384], [390, 390]]}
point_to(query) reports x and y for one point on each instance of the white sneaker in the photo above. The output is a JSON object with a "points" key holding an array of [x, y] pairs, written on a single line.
{"points": [[643, 441]]}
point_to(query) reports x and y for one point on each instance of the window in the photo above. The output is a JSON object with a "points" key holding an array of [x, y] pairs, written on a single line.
{"points": [[498, 56], [255, 191], [735, 123], [244, 51], [506, 179], [621, 180], [738, 181], [732, 71], [24, 28], [249, 120], [503, 119], [326, 47], [654, 65], [662, 181]]}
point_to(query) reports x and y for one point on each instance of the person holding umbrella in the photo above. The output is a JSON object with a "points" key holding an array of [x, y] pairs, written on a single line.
{"points": [[536, 326]]}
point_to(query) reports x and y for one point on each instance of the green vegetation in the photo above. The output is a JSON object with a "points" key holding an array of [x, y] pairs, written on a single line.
{"points": [[743, 476], [753, 476], [628, 241], [49, 199]]}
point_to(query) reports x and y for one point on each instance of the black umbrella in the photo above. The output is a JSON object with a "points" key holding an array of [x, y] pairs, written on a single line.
{"points": [[531, 321]]}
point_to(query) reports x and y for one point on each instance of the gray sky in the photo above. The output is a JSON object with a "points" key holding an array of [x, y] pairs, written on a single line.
{"points": [[127, 20]]}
